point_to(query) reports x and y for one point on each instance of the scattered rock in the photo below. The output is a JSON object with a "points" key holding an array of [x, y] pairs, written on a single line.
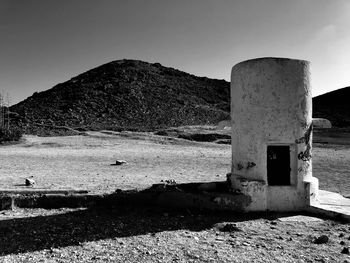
{"points": [[345, 250], [54, 250], [119, 162], [321, 240], [29, 182], [228, 228], [320, 259], [170, 182]]}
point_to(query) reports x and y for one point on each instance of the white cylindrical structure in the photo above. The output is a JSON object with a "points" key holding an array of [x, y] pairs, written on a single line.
{"points": [[271, 112]]}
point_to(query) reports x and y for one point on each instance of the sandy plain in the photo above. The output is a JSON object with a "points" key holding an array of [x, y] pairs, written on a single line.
{"points": [[135, 234], [84, 162]]}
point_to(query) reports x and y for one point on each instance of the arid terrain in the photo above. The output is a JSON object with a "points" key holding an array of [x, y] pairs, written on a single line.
{"points": [[84, 162], [134, 234], [150, 235]]}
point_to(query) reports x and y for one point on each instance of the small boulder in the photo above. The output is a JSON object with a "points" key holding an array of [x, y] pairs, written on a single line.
{"points": [[321, 240], [228, 228], [119, 162], [345, 250], [170, 182], [29, 182]]}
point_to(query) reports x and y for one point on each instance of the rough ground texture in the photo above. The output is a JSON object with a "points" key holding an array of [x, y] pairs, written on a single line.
{"points": [[125, 94], [135, 234], [141, 234], [331, 165], [84, 162]]}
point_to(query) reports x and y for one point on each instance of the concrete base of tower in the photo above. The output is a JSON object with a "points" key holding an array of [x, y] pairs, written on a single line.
{"points": [[278, 198]]}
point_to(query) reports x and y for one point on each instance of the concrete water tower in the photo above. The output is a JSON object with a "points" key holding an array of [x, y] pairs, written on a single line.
{"points": [[271, 112]]}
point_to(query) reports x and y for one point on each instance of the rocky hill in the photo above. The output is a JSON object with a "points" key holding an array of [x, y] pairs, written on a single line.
{"points": [[126, 94], [334, 106], [136, 95]]}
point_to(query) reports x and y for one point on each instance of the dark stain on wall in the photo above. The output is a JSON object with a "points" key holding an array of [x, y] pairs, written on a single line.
{"points": [[305, 155]]}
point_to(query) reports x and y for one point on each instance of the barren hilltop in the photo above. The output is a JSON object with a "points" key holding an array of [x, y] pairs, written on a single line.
{"points": [[140, 96], [126, 94]]}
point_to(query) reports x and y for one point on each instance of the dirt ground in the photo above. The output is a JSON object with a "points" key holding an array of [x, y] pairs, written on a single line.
{"points": [[331, 165], [84, 162], [134, 234]]}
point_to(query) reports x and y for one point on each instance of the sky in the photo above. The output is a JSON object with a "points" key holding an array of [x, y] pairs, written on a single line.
{"points": [[46, 42]]}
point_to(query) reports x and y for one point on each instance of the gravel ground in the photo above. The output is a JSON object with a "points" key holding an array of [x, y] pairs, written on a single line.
{"points": [[84, 162], [331, 165], [133, 234]]}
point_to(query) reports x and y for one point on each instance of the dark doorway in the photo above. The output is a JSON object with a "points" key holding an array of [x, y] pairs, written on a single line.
{"points": [[278, 165]]}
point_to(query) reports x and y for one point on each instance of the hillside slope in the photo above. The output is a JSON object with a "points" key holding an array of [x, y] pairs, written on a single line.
{"points": [[136, 95], [126, 94], [334, 106]]}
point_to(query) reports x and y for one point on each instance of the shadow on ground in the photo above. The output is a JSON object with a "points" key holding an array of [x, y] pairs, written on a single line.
{"points": [[45, 232]]}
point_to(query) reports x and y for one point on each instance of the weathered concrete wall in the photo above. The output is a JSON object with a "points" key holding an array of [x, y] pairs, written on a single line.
{"points": [[271, 104]]}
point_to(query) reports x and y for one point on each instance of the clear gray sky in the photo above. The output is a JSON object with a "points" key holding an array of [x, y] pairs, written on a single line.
{"points": [[45, 42]]}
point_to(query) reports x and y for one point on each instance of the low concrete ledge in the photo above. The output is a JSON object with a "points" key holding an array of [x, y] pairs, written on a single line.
{"points": [[48, 201], [189, 196], [331, 205], [324, 212], [201, 196], [38, 191], [53, 201]]}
